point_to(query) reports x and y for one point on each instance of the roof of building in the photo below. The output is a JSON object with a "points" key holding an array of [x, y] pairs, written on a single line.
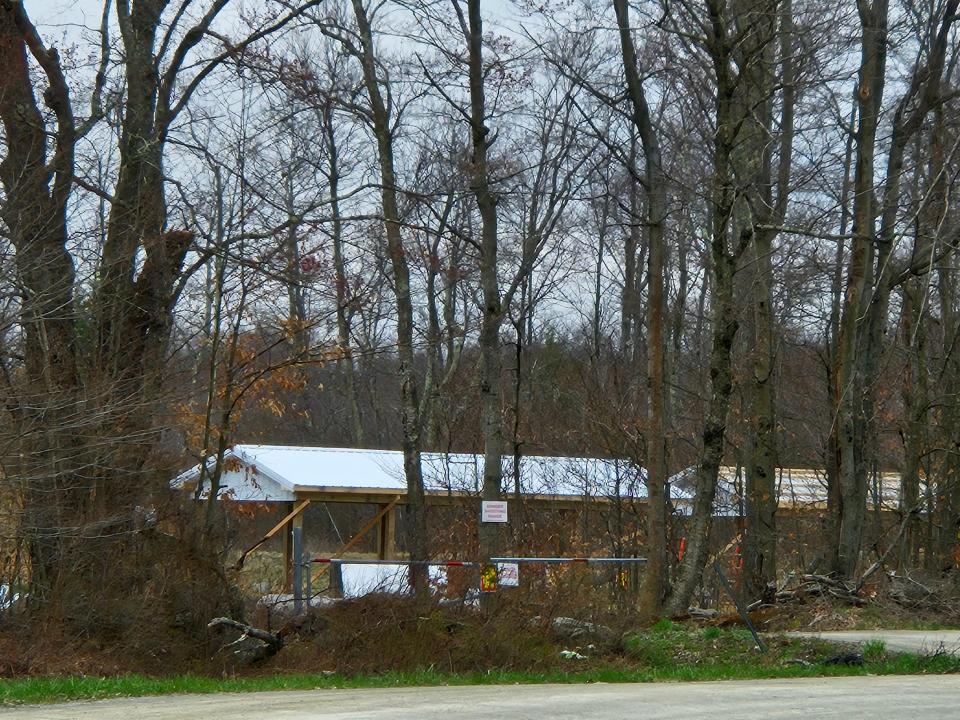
{"points": [[285, 472], [796, 488], [280, 472]]}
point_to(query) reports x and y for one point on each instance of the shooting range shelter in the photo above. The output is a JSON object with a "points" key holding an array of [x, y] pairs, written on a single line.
{"points": [[295, 477]]}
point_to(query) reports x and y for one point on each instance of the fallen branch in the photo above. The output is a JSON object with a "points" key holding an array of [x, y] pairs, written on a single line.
{"points": [[703, 613], [896, 543], [272, 642], [822, 585]]}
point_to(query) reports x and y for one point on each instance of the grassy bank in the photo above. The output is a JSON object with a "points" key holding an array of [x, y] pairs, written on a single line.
{"points": [[666, 654]]}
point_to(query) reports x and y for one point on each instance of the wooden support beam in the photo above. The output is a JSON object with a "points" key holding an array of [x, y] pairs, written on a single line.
{"points": [[360, 535], [387, 534], [294, 511], [434, 497]]}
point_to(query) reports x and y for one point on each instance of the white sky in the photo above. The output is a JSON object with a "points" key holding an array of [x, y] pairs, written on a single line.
{"points": [[70, 15]]}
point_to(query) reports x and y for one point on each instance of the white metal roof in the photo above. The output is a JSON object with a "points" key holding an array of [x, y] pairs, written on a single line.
{"points": [[796, 488], [278, 472]]}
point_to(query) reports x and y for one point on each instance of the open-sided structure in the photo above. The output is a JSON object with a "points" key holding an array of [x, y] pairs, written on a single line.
{"points": [[293, 477], [297, 476]]}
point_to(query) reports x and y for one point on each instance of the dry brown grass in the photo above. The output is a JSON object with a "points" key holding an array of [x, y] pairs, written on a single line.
{"points": [[380, 633]]}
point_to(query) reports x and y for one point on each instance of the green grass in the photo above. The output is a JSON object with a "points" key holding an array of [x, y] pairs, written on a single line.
{"points": [[874, 650], [54, 689]]}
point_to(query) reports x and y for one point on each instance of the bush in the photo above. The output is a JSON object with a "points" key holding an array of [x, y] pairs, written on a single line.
{"points": [[664, 625]]}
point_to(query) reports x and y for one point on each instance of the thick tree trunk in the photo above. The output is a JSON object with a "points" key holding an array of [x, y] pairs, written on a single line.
{"points": [[409, 406], [654, 587], [711, 454], [915, 403], [849, 424], [724, 259], [760, 543], [756, 75], [492, 311], [36, 189], [832, 460]]}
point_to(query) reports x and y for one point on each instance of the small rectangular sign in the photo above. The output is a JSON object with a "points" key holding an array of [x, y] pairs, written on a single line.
{"points": [[508, 574], [493, 511]]}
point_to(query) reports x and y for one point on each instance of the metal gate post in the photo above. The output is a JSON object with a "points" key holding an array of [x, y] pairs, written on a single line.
{"points": [[297, 571]]}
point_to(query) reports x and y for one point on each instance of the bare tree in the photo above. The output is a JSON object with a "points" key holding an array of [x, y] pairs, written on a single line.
{"points": [[654, 588]]}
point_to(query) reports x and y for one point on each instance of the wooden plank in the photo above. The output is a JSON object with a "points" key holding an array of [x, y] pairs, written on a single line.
{"points": [[273, 531], [387, 535], [359, 536], [720, 553], [442, 497], [351, 496]]}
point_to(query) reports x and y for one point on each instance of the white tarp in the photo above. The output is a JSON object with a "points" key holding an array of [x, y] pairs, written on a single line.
{"points": [[364, 579]]}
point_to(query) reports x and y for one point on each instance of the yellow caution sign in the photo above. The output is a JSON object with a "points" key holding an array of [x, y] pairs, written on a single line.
{"points": [[488, 578]]}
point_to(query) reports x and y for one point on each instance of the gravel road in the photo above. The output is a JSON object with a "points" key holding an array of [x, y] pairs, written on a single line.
{"points": [[914, 641], [877, 698]]}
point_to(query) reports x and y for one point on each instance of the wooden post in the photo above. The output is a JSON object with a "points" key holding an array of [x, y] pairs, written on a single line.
{"points": [[387, 534], [563, 521], [297, 569]]}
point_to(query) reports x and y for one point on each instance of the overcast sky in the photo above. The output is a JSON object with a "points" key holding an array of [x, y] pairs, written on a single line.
{"points": [[65, 14]]}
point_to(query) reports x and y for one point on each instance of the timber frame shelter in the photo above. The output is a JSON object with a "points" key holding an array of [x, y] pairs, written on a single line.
{"points": [[293, 477], [297, 476]]}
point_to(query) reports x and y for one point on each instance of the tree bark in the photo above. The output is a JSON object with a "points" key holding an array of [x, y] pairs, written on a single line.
{"points": [[37, 188], [760, 543], [409, 405], [654, 587], [849, 401], [834, 501], [492, 310], [915, 402]]}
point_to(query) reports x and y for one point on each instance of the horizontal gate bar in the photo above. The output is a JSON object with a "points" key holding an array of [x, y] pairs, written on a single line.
{"points": [[470, 563], [558, 560]]}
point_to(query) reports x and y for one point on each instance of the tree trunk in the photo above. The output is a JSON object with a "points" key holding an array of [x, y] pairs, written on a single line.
{"points": [[654, 587], [724, 259], [915, 403], [341, 280], [409, 407], [760, 543], [492, 311], [715, 426], [849, 400], [834, 501], [36, 189]]}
